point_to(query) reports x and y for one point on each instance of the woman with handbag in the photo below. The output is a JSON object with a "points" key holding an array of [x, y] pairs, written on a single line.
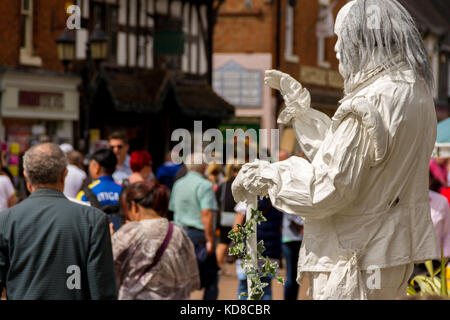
{"points": [[154, 259]]}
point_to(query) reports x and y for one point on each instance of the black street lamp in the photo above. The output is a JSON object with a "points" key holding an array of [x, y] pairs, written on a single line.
{"points": [[65, 44], [98, 43], [96, 51]]}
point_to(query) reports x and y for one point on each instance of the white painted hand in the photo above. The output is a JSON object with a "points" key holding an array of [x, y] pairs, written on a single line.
{"points": [[273, 79], [251, 182]]}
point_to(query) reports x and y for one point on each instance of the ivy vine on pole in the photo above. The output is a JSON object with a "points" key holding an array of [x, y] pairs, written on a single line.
{"points": [[244, 246]]}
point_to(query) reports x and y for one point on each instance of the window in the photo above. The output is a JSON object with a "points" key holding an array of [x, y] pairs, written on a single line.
{"points": [[324, 30], [26, 22], [238, 85], [169, 42], [289, 46], [26, 48]]}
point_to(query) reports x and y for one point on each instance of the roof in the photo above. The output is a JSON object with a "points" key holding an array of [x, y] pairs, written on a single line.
{"points": [[200, 100], [140, 92], [150, 91]]}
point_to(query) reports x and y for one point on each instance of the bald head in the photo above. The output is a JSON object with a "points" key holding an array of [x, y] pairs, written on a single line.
{"points": [[44, 164]]}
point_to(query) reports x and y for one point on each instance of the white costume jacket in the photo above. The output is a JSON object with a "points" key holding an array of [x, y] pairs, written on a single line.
{"points": [[364, 193]]}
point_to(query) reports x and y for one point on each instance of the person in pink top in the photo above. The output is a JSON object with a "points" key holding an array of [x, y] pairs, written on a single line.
{"points": [[440, 215], [440, 209]]}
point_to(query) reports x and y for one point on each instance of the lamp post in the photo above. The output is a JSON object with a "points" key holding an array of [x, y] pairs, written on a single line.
{"points": [[65, 44], [96, 51]]}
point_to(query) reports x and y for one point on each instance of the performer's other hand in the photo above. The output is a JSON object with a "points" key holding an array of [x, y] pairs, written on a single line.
{"points": [[252, 181]]}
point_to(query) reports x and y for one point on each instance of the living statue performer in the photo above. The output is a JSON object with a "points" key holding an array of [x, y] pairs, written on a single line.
{"points": [[363, 193]]}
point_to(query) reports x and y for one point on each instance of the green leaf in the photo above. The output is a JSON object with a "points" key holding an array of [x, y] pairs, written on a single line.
{"points": [[427, 286], [429, 265], [257, 216], [411, 291], [444, 289], [280, 279], [261, 248], [243, 294]]}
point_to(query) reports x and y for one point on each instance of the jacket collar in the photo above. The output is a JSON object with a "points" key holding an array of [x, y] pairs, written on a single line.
{"points": [[47, 192], [105, 178]]}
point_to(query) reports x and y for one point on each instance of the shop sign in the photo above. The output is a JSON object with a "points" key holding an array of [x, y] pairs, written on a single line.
{"points": [[44, 100]]}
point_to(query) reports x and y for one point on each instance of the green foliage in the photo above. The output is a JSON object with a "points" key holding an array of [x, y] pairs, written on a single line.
{"points": [[238, 249], [433, 284]]}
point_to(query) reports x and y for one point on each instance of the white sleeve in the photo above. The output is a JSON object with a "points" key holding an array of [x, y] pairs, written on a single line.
{"points": [[241, 207], [310, 126], [328, 184], [9, 188]]}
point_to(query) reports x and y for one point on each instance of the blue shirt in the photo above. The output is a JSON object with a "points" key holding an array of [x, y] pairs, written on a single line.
{"points": [[166, 173], [190, 195], [290, 232], [123, 172], [106, 190]]}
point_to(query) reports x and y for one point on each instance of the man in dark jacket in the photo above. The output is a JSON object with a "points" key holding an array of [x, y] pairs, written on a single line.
{"points": [[50, 247]]}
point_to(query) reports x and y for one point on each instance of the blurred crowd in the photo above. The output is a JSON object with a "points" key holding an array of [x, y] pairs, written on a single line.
{"points": [[164, 232], [167, 228]]}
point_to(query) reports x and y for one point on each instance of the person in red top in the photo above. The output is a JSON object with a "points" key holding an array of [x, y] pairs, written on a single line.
{"points": [[141, 165]]}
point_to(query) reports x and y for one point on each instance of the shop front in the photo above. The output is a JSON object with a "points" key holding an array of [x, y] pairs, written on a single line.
{"points": [[34, 105]]}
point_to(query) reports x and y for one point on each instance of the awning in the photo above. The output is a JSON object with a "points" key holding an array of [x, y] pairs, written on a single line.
{"points": [[141, 92], [149, 91], [199, 101], [442, 146]]}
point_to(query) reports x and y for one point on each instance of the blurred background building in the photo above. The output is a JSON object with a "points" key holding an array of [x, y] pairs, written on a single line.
{"points": [[164, 63], [150, 74], [297, 37]]}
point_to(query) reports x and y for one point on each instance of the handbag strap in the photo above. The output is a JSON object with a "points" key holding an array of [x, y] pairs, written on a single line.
{"points": [[161, 250], [92, 198]]}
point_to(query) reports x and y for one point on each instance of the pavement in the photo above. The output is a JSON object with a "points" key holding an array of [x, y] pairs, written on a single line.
{"points": [[228, 284]]}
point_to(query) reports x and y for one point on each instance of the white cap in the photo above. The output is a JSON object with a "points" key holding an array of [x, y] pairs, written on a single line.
{"points": [[66, 147]]}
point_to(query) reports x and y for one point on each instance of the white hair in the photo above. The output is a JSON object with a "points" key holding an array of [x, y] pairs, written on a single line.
{"points": [[378, 31], [44, 164]]}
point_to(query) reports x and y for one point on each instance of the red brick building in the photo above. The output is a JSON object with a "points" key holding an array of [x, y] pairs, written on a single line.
{"points": [[287, 32], [155, 78], [36, 95]]}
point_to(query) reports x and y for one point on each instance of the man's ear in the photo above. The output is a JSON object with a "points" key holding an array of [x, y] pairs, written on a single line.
{"points": [[98, 168], [29, 187]]}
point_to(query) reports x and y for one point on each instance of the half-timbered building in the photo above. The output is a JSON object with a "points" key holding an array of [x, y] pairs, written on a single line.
{"points": [[157, 76]]}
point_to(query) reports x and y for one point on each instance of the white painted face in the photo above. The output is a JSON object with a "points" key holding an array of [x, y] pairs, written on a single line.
{"points": [[337, 28]]}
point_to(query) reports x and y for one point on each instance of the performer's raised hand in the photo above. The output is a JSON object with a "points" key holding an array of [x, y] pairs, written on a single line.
{"points": [[272, 78]]}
